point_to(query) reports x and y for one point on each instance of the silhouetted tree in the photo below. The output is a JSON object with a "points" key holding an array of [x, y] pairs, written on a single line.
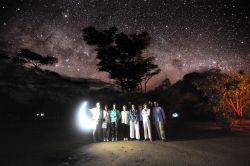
{"points": [[4, 56], [25, 56], [119, 54], [149, 69]]}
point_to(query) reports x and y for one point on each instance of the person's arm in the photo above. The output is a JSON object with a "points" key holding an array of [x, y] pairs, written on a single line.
{"points": [[137, 116], [153, 115], [163, 115], [148, 112], [118, 116], [142, 112], [111, 115]]}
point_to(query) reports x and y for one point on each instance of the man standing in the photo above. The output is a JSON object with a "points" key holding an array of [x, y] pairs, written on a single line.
{"points": [[114, 118], [159, 120], [96, 116], [125, 123], [134, 123], [146, 122], [106, 123]]}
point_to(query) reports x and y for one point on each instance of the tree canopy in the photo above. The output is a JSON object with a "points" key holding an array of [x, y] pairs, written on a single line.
{"points": [[120, 55], [25, 56], [227, 95]]}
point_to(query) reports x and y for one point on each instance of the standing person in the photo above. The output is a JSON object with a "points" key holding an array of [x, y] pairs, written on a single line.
{"points": [[106, 123], [96, 116], [140, 121], [125, 123], [159, 119], [146, 122], [151, 117], [134, 123], [114, 118]]}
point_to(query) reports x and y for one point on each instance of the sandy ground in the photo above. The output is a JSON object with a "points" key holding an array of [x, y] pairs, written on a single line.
{"points": [[221, 151], [186, 146]]}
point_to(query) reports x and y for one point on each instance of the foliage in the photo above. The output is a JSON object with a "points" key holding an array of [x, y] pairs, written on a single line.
{"points": [[25, 56], [227, 95], [149, 69], [4, 56], [120, 55]]}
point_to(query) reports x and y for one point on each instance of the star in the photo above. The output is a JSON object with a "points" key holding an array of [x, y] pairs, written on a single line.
{"points": [[186, 36]]}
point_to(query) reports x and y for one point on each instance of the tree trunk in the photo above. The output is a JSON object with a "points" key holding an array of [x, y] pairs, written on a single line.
{"points": [[141, 89]]}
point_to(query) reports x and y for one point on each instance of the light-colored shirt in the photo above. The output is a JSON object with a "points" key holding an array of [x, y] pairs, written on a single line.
{"points": [[96, 113], [105, 116], [125, 117], [145, 114]]}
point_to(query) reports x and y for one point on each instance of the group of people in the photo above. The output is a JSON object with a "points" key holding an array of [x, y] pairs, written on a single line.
{"points": [[131, 123]]}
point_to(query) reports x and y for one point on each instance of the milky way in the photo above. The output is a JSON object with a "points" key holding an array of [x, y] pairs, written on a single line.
{"points": [[187, 35]]}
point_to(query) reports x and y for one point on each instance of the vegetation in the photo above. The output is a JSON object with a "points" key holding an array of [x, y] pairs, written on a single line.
{"points": [[120, 55], [226, 95], [25, 56]]}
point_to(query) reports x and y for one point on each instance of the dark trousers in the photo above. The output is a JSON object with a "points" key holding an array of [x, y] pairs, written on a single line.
{"points": [[125, 130], [106, 131], [114, 130], [141, 129], [154, 132]]}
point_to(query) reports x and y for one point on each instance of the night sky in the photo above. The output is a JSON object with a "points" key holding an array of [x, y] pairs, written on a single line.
{"points": [[187, 35]]}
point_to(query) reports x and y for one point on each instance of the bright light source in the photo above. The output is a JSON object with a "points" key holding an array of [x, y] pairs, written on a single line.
{"points": [[83, 118], [42, 114], [37, 114], [175, 115]]}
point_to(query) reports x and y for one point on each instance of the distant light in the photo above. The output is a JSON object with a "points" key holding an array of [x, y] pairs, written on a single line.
{"points": [[83, 118], [175, 115], [37, 114], [42, 114]]}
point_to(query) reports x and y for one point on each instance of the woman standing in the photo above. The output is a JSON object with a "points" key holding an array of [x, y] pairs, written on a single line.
{"points": [[114, 118], [125, 123], [134, 123], [146, 122], [106, 123]]}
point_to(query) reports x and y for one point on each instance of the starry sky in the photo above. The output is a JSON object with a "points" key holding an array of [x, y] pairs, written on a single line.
{"points": [[187, 35]]}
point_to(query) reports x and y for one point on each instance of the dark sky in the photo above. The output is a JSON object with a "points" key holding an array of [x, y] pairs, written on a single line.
{"points": [[187, 35]]}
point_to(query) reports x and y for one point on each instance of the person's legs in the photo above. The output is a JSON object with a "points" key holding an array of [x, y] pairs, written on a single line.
{"points": [[137, 131], [104, 130], [107, 131], [145, 129], [161, 125], [149, 129], [127, 131], [123, 130], [112, 130], [94, 131], [116, 131], [99, 130], [158, 130], [132, 130], [141, 129]]}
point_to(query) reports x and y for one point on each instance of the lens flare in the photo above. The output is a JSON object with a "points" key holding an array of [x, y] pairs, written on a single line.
{"points": [[175, 115], [83, 118]]}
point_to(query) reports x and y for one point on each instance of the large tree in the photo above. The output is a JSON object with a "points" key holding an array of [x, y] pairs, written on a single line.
{"points": [[25, 56], [149, 69], [120, 55], [227, 95]]}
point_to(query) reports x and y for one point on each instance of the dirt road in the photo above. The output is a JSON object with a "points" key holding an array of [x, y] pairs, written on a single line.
{"points": [[219, 151]]}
